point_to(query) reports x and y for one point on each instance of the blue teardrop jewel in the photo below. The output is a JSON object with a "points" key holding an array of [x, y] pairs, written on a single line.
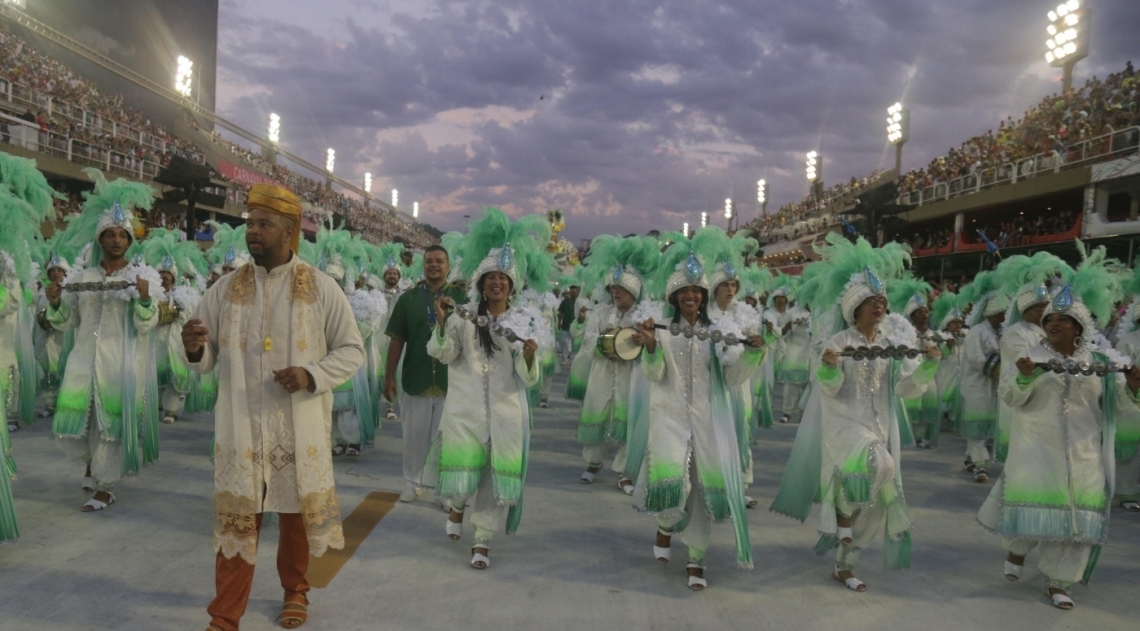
{"points": [[138, 260], [231, 256], [322, 262], [1064, 300], [56, 261], [1042, 293], [730, 271], [391, 262], [168, 262], [873, 281], [117, 213], [617, 274], [506, 259], [693, 269], [920, 300]]}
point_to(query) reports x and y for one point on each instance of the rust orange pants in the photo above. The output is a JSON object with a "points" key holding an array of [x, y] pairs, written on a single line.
{"points": [[234, 577]]}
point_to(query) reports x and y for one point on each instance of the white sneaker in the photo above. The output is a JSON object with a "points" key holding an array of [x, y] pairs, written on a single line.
{"points": [[409, 494], [391, 415]]}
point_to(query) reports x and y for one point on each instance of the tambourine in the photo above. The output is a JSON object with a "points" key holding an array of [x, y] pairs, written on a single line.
{"points": [[42, 320], [1088, 369], [992, 367], [167, 314]]}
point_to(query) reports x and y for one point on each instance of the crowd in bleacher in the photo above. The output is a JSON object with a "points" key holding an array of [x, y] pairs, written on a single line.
{"points": [[1056, 124], [764, 227], [97, 122]]}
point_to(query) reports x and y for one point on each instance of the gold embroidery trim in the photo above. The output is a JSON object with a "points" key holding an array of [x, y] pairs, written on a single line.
{"points": [[304, 288], [243, 288]]}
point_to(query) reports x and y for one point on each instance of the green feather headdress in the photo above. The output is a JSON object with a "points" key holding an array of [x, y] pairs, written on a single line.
{"points": [[165, 250], [339, 254], [484, 249], [624, 261], [843, 260], [450, 242], [756, 280], [1097, 283], [26, 182], [690, 261], [1022, 278], [386, 257], [229, 249], [415, 271], [906, 289], [110, 205], [18, 234], [944, 310]]}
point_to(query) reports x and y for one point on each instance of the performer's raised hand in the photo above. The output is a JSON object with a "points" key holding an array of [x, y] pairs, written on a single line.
{"points": [[53, 293], [646, 335], [932, 352], [756, 341], [194, 338], [529, 348], [443, 305], [1026, 366], [294, 379], [1133, 378], [830, 357], [143, 286], [582, 315]]}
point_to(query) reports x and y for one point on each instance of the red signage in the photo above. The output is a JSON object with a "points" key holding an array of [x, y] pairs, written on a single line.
{"points": [[242, 175]]}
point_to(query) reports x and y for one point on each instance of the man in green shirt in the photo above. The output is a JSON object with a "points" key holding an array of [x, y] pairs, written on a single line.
{"points": [[423, 378]]}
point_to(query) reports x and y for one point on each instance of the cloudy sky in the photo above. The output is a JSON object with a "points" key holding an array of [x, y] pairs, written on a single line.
{"points": [[633, 114]]}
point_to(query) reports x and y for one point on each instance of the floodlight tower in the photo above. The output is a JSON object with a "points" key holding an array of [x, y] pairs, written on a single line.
{"points": [[814, 163], [183, 77], [1068, 41], [898, 131], [685, 228], [729, 213], [762, 196], [274, 136], [330, 163], [395, 198], [415, 210], [367, 188]]}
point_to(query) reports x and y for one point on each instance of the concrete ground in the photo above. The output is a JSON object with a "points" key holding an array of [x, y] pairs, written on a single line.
{"points": [[582, 558]]}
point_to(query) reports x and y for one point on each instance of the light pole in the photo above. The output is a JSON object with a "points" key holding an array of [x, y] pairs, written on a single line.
{"points": [[330, 162], [685, 228], [898, 132], [704, 219], [415, 210], [1068, 40], [367, 188], [729, 209], [395, 198]]}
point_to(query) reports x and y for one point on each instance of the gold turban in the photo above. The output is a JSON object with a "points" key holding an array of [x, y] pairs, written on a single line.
{"points": [[279, 200]]}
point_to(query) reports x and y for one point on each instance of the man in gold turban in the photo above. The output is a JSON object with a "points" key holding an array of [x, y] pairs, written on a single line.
{"points": [[281, 335]]}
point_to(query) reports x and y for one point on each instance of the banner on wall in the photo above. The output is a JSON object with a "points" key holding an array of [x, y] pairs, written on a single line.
{"points": [[242, 175]]}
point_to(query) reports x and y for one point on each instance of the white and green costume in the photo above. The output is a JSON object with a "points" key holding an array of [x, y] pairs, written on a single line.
{"points": [[907, 296], [484, 433], [943, 311], [109, 394], [1128, 422], [1055, 490]]}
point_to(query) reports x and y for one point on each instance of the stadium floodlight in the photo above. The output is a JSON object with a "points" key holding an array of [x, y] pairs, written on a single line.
{"points": [[728, 209], [1068, 40], [761, 192], [704, 219], [812, 166], [415, 210], [274, 128], [898, 124], [330, 161], [183, 76], [367, 182], [685, 228], [395, 198]]}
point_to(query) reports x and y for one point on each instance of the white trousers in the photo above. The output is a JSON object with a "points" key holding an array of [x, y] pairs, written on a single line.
{"points": [[488, 516], [596, 454], [977, 451], [697, 534], [419, 420], [1062, 563], [172, 400], [346, 428], [104, 456]]}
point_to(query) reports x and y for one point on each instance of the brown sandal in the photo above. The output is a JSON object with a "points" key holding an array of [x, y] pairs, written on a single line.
{"points": [[293, 614]]}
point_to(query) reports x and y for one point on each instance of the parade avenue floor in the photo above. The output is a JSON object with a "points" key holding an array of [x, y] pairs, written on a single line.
{"points": [[581, 560]]}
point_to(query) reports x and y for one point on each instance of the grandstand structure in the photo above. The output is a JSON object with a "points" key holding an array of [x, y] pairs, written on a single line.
{"points": [[68, 100], [1068, 169]]}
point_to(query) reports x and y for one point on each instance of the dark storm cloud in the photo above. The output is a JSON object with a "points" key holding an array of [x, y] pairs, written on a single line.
{"points": [[652, 111]]}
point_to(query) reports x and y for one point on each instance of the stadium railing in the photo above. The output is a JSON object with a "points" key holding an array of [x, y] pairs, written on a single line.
{"points": [[1098, 148], [21, 133]]}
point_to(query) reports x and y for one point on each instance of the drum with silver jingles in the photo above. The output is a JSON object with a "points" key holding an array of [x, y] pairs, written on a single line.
{"points": [[617, 343]]}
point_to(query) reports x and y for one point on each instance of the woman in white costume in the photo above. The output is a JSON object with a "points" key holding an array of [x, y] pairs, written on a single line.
{"points": [[1055, 491], [485, 428], [691, 474]]}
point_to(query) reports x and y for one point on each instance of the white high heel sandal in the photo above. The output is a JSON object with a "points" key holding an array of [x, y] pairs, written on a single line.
{"points": [[845, 535], [1060, 601], [1012, 571], [454, 528], [480, 561], [852, 583], [697, 583]]}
